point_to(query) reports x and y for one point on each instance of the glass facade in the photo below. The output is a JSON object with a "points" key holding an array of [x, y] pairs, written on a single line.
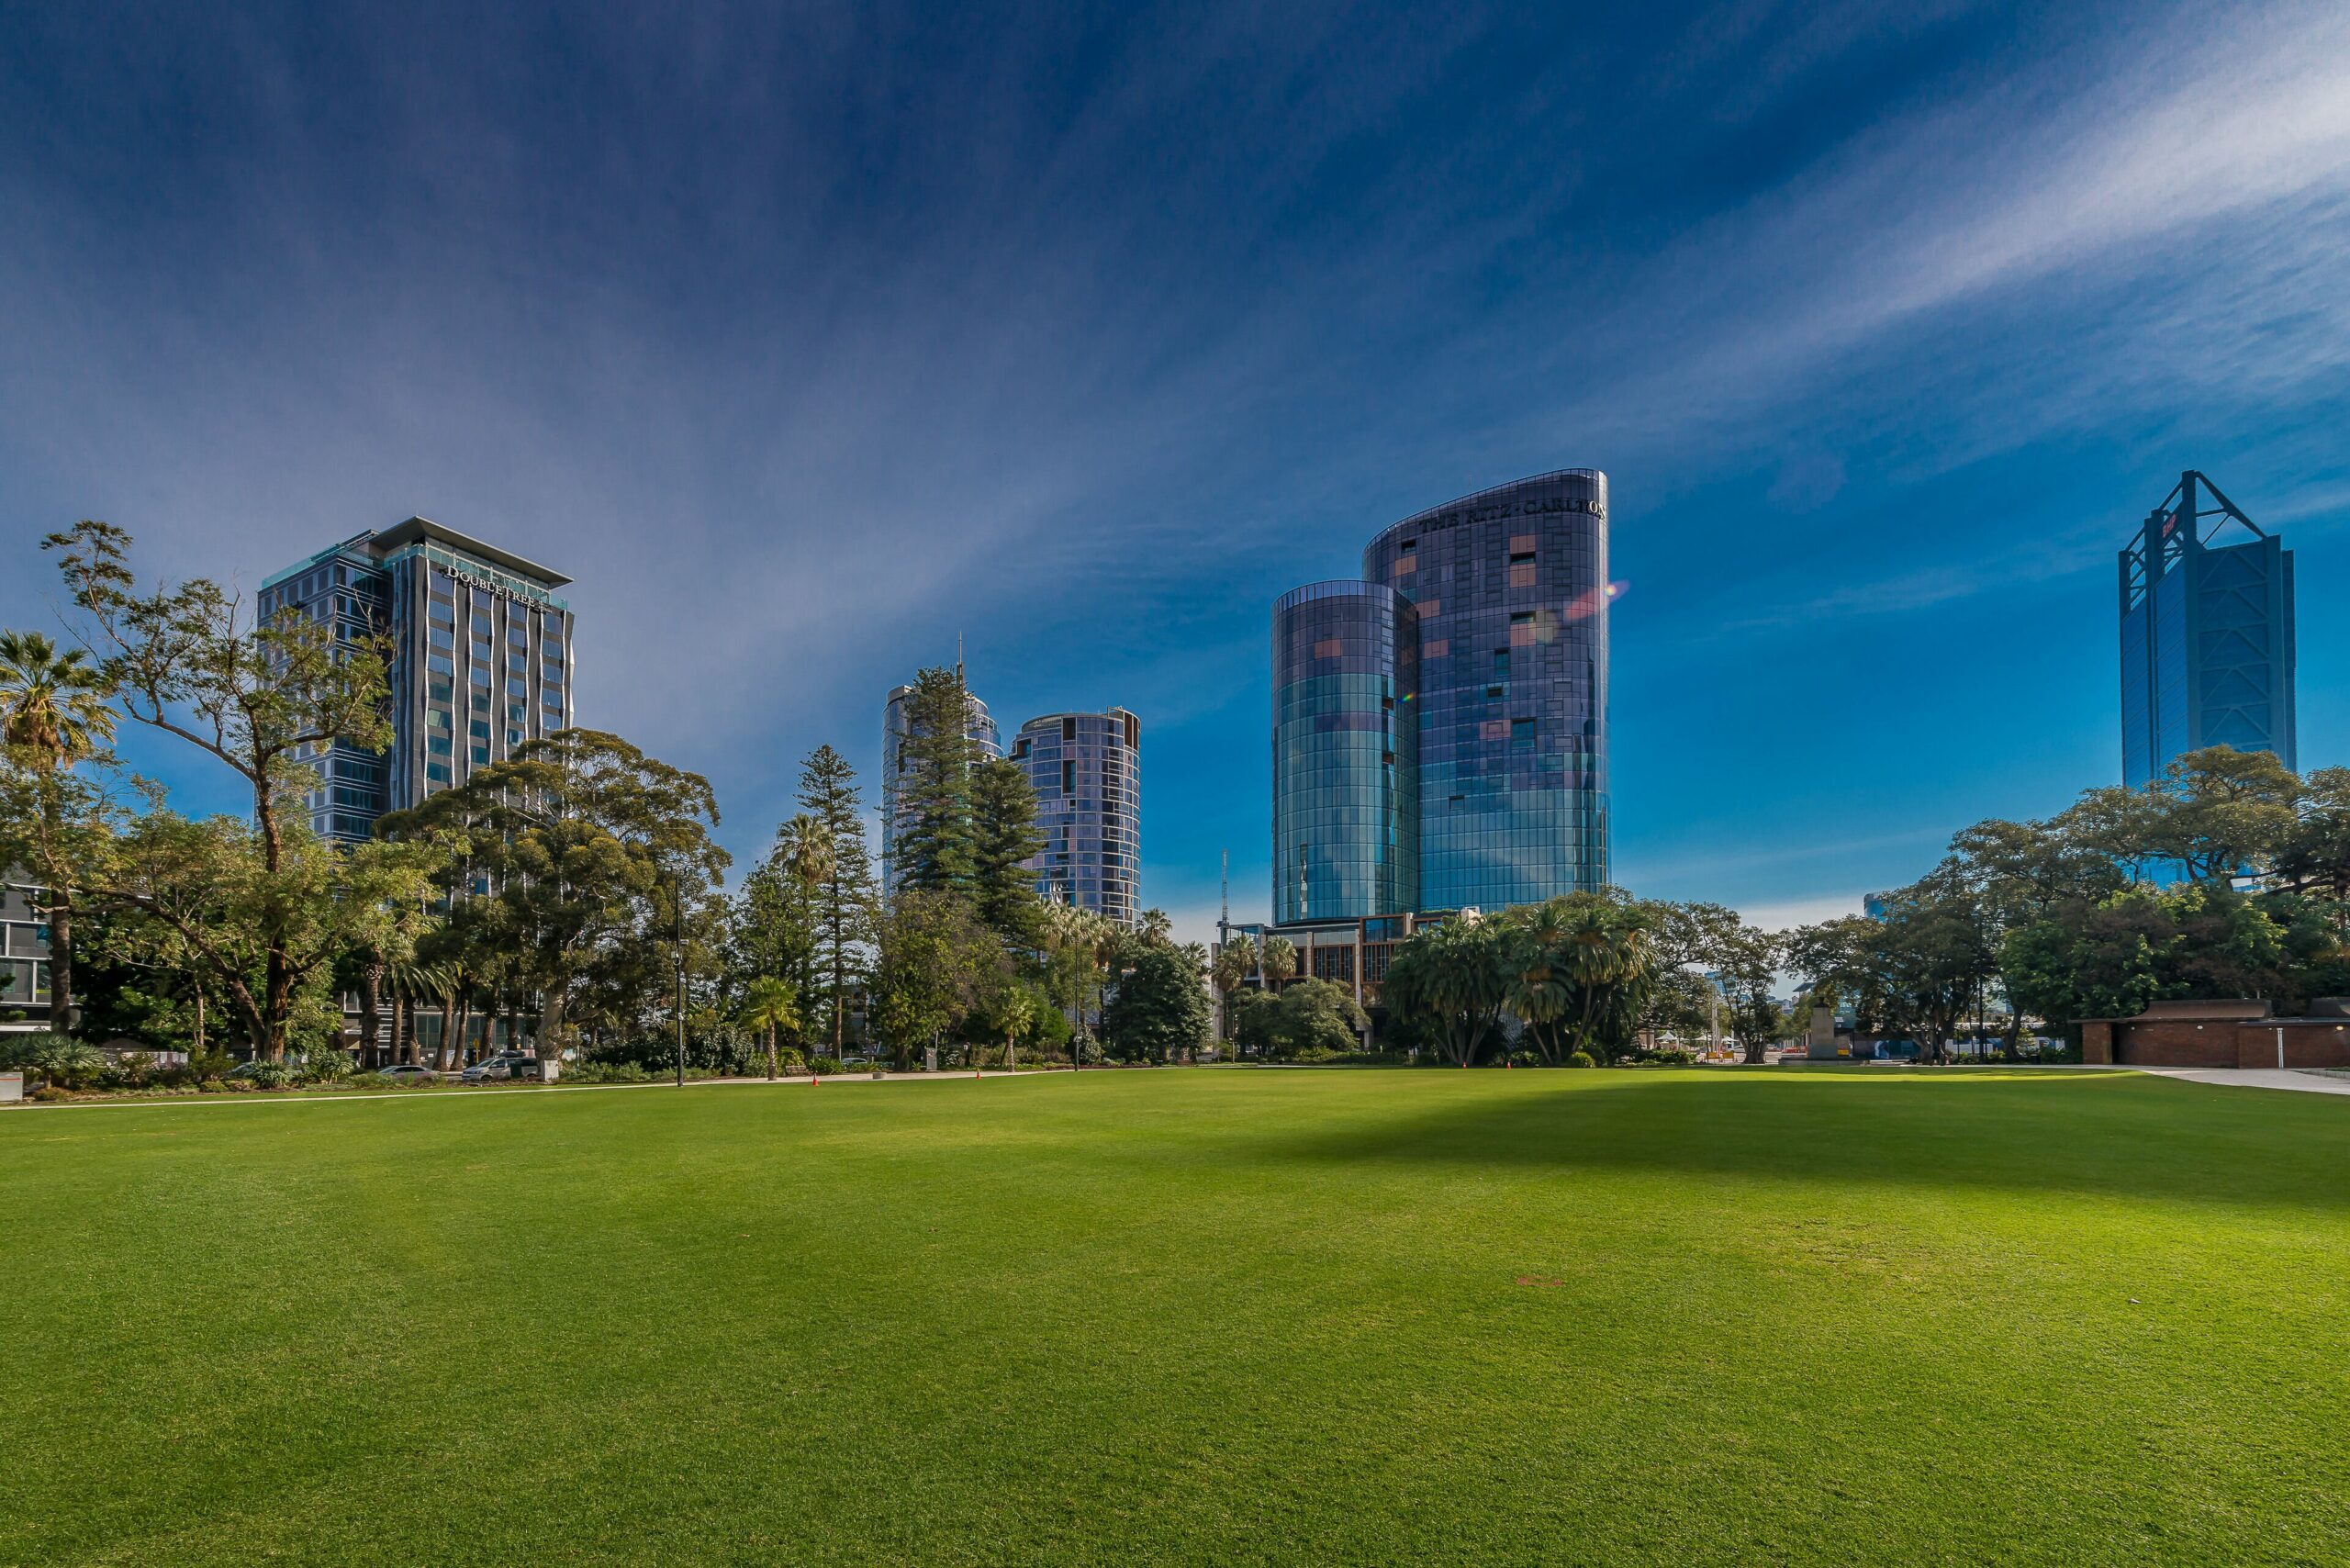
{"points": [[2207, 634], [1087, 771], [896, 727], [1511, 590], [1484, 623], [1346, 810], [481, 661]]}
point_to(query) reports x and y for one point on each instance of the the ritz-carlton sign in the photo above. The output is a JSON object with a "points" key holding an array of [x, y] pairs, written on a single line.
{"points": [[1531, 506]]}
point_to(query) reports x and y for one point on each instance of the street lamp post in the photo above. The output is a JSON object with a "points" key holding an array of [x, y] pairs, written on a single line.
{"points": [[680, 948]]}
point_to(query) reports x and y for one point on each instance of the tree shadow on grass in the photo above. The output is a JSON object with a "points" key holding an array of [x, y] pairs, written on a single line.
{"points": [[2113, 1134]]}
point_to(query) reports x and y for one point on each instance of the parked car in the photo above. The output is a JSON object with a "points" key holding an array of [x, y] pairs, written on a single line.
{"points": [[504, 1065], [405, 1072]]}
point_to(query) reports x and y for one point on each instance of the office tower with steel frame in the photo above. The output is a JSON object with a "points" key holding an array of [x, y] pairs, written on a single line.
{"points": [[481, 660], [2207, 634]]}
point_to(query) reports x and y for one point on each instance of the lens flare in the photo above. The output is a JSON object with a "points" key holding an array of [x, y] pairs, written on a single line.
{"points": [[1584, 606]]}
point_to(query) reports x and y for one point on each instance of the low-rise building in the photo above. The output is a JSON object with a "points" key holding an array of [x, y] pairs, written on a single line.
{"points": [[2236, 1032]]}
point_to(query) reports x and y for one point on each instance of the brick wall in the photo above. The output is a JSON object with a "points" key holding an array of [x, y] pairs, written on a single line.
{"points": [[2175, 1043], [2306, 1045], [2172, 1043]]}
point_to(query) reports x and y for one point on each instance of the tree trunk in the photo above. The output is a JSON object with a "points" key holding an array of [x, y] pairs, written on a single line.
{"points": [[465, 1030], [448, 1031], [371, 1009], [61, 965], [770, 1053], [551, 1016]]}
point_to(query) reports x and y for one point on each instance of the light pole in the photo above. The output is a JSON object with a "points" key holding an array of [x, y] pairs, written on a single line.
{"points": [[680, 948]]}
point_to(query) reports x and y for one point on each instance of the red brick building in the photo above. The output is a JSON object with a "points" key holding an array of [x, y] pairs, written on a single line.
{"points": [[2222, 1033]]}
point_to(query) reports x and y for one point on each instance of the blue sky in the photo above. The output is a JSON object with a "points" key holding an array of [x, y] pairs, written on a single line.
{"points": [[805, 342]]}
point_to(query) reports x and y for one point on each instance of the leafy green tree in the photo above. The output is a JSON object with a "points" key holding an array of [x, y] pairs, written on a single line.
{"points": [[588, 845], [53, 714], [1311, 1021], [1161, 1007], [936, 842], [187, 661], [2314, 858], [1916, 971], [1452, 978], [939, 964], [2215, 812], [266, 916], [1003, 838]]}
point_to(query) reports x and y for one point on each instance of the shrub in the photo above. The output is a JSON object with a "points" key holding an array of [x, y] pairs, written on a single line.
{"points": [[321, 1063], [271, 1075], [1581, 1059], [65, 1063], [606, 1072]]}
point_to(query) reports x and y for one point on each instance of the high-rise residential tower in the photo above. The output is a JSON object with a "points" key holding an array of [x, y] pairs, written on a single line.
{"points": [[481, 660], [1346, 753], [1484, 622], [896, 728], [2207, 634], [1087, 771]]}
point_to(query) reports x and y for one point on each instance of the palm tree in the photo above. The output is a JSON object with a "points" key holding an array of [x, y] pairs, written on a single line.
{"points": [[804, 852], [53, 710], [1018, 1015], [1279, 961], [408, 980], [1538, 972], [1234, 965], [1156, 927], [770, 1004], [1604, 953]]}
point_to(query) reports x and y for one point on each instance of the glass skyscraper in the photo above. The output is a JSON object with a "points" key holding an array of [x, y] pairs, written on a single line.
{"points": [[1087, 771], [1497, 620], [2207, 634], [1346, 749], [481, 660], [897, 727]]}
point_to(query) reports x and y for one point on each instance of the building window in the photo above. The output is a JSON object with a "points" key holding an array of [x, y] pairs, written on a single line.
{"points": [[439, 745], [480, 729], [1521, 734]]}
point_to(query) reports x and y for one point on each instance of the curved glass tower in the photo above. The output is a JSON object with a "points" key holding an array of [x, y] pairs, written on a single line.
{"points": [[1510, 589], [1087, 771], [1345, 809], [897, 727]]}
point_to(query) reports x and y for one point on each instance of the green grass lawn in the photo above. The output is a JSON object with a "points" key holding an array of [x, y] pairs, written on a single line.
{"points": [[1205, 1316]]}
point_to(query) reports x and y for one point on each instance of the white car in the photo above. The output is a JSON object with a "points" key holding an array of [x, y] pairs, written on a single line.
{"points": [[408, 1072]]}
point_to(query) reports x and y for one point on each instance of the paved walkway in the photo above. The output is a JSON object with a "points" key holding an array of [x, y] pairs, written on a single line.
{"points": [[2254, 1078]]}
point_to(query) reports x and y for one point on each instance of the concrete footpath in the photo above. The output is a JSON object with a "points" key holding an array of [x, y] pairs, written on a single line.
{"points": [[2253, 1078]]}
